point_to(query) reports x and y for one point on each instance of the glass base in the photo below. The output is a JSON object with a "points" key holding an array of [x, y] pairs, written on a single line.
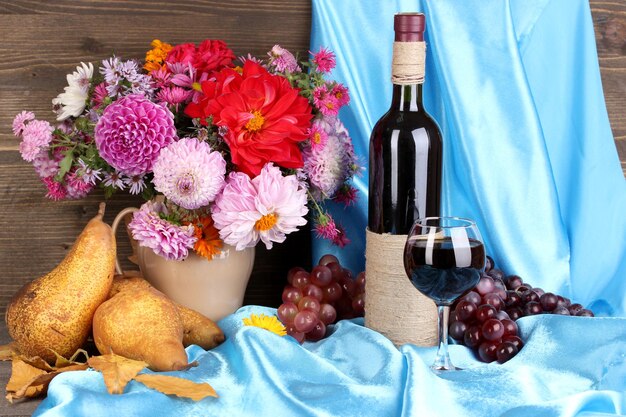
{"points": [[438, 369]]}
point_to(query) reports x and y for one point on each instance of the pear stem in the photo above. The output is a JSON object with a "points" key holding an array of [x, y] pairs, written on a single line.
{"points": [[101, 210]]}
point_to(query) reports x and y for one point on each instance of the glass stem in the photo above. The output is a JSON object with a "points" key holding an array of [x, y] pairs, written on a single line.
{"points": [[442, 361]]}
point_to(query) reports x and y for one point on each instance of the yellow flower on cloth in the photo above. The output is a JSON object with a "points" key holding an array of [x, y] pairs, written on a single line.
{"points": [[269, 323]]}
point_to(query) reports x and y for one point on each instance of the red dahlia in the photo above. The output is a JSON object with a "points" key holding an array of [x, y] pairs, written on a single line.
{"points": [[264, 115]]}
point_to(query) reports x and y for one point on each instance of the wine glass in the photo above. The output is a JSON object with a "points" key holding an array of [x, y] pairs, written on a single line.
{"points": [[443, 258]]}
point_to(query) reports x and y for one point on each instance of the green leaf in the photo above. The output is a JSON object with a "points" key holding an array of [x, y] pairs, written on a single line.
{"points": [[65, 165]]}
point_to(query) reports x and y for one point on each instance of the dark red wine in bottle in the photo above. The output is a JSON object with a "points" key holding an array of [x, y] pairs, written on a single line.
{"points": [[405, 146], [404, 185]]}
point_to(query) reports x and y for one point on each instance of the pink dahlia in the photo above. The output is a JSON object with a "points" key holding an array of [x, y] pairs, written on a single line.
{"points": [[131, 133], [329, 167], [20, 120], [266, 208], [36, 136], [189, 173], [164, 238], [324, 59]]}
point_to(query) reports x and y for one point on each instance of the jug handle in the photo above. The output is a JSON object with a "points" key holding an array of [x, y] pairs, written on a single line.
{"points": [[114, 226]]}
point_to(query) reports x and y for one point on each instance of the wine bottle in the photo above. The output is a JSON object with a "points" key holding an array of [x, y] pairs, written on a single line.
{"points": [[405, 145], [405, 158]]}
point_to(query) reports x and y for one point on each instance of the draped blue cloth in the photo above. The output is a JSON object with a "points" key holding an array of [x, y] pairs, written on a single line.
{"points": [[515, 86], [358, 372], [528, 150]]}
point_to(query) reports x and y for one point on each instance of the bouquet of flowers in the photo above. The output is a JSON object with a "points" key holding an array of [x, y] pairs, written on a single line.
{"points": [[241, 149]]}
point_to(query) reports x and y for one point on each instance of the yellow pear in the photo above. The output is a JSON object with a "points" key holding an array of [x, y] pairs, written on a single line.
{"points": [[141, 324], [197, 329], [55, 311]]}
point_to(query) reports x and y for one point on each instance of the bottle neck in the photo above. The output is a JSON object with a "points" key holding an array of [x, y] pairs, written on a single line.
{"points": [[407, 98]]}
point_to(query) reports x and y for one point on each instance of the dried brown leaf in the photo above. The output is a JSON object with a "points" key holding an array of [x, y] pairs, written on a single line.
{"points": [[22, 374], [39, 384], [180, 387], [116, 370], [62, 362], [8, 351], [38, 363]]}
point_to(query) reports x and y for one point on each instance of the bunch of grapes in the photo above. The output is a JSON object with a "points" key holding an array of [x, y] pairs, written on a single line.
{"points": [[484, 318], [313, 300]]}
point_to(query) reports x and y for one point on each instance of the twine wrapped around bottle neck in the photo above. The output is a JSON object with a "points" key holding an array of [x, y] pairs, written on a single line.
{"points": [[408, 64]]}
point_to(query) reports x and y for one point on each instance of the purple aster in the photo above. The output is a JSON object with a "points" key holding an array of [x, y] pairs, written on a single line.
{"points": [[44, 166], [189, 174], [125, 77], [36, 136], [164, 238], [283, 60], [131, 133], [136, 184], [88, 174], [114, 179], [20, 120], [330, 166]]}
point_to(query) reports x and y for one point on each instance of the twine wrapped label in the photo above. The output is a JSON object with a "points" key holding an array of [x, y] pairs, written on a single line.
{"points": [[393, 306], [408, 65]]}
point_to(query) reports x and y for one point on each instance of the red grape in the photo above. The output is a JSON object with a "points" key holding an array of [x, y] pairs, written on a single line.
{"points": [[502, 315], [531, 308], [332, 293], [510, 327], [514, 340], [496, 274], [309, 303], [335, 269], [287, 312], [328, 258], [358, 304], [548, 301], [347, 285], [574, 309], [485, 312], [539, 291], [327, 314], [492, 329], [465, 310], [505, 351], [299, 336], [314, 291], [457, 330], [528, 296], [305, 321], [292, 272], [489, 263], [561, 310], [472, 297], [359, 282], [321, 276], [493, 299], [473, 336], [291, 295], [317, 333], [585, 313], [485, 285], [514, 312], [513, 282], [300, 279], [512, 299], [487, 351]]}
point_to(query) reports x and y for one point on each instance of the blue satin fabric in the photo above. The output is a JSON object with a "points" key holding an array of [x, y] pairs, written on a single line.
{"points": [[528, 150], [570, 366]]}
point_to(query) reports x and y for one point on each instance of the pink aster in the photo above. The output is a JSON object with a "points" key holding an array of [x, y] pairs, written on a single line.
{"points": [[317, 136], [325, 227], [77, 186], [324, 59], [341, 94], [20, 120], [56, 191], [164, 238], [174, 96], [36, 136], [44, 166], [324, 101], [283, 60], [266, 208], [189, 173], [131, 133], [346, 195], [341, 239], [100, 93]]}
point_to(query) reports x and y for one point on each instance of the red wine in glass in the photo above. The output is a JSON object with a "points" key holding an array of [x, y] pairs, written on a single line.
{"points": [[444, 257]]}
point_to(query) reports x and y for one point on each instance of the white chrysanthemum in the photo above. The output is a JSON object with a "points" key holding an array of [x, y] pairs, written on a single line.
{"points": [[189, 173], [72, 100]]}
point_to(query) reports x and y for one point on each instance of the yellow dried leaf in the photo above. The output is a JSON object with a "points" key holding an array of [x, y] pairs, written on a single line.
{"points": [[180, 387], [8, 351], [22, 375], [62, 362], [38, 363], [116, 370], [39, 384]]}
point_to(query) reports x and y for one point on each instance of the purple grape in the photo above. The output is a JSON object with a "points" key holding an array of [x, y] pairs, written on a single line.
{"points": [[487, 351], [563, 301], [515, 340], [574, 309], [457, 330], [485, 312], [561, 310], [513, 299], [502, 315], [473, 336], [522, 288], [514, 313], [327, 314], [299, 336], [496, 274], [510, 327], [493, 329], [328, 258], [485, 285], [585, 313], [359, 282], [494, 299], [311, 290], [317, 333], [528, 296], [513, 282], [358, 304], [548, 301], [465, 310], [305, 321], [539, 291], [332, 293], [489, 263], [532, 308], [321, 275], [472, 297], [505, 351]]}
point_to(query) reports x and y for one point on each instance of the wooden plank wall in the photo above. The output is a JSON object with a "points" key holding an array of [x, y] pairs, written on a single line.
{"points": [[43, 40]]}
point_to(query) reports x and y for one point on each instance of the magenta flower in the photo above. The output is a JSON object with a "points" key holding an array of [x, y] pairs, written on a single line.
{"points": [[164, 238], [341, 94], [77, 186], [346, 195], [36, 136], [20, 120], [266, 208], [56, 191], [174, 96], [325, 102], [131, 133], [325, 227], [189, 173], [341, 239], [317, 136], [283, 60], [324, 59], [44, 166]]}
